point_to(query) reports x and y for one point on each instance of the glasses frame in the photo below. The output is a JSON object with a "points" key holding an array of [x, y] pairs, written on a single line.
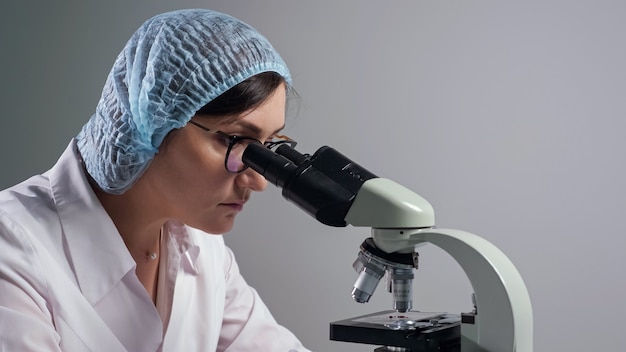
{"points": [[234, 139]]}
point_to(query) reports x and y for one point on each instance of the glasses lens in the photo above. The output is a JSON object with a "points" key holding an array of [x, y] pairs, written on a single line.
{"points": [[234, 156]]}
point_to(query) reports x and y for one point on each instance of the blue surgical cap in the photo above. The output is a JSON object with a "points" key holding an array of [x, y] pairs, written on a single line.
{"points": [[174, 64]]}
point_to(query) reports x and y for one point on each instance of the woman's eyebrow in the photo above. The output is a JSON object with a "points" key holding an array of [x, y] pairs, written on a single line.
{"points": [[256, 129]]}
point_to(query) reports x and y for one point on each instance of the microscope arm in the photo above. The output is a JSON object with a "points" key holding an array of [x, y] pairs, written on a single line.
{"points": [[504, 321]]}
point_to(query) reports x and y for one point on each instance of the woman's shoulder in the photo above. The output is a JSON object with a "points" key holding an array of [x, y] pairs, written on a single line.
{"points": [[26, 214], [30, 226], [28, 203]]}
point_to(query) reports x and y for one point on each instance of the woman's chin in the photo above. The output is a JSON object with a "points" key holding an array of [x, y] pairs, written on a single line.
{"points": [[221, 227]]}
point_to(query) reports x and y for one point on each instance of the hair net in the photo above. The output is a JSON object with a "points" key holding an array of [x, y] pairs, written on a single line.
{"points": [[174, 64]]}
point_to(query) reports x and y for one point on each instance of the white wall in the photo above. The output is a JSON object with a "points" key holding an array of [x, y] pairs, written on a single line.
{"points": [[508, 117]]}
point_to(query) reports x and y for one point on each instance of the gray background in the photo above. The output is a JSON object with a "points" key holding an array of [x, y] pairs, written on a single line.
{"points": [[507, 116]]}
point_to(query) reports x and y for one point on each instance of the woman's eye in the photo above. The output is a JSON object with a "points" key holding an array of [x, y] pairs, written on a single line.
{"points": [[225, 140]]}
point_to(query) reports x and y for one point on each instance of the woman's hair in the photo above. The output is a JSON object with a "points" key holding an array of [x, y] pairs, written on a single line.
{"points": [[244, 96]]}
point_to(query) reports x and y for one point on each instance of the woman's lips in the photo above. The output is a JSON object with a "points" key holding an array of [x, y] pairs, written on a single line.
{"points": [[234, 206]]}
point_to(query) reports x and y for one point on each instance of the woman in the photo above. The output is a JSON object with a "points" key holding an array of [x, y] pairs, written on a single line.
{"points": [[113, 249]]}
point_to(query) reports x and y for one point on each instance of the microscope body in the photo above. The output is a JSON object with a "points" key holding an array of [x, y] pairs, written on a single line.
{"points": [[502, 320], [339, 192]]}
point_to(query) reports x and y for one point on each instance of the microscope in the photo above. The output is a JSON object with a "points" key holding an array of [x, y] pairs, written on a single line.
{"points": [[339, 192]]}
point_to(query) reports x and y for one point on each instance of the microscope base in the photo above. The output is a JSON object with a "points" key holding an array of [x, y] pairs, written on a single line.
{"points": [[413, 331]]}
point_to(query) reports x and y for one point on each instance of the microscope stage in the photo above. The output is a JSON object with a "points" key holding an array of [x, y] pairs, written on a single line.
{"points": [[419, 331]]}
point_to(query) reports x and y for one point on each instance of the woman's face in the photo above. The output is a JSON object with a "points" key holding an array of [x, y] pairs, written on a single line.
{"points": [[187, 180]]}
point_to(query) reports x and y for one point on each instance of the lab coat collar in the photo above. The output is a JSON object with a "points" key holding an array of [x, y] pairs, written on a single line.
{"points": [[98, 254], [184, 245]]}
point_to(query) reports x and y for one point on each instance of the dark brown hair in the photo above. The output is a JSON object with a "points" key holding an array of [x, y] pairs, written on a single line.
{"points": [[243, 97]]}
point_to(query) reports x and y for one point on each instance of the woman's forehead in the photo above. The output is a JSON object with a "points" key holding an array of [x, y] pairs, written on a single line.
{"points": [[266, 119]]}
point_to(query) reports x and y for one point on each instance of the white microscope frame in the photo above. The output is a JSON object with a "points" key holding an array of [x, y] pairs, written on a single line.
{"points": [[400, 219]]}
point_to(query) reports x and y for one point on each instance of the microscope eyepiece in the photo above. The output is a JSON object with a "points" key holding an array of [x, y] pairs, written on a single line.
{"points": [[323, 184], [292, 154], [274, 167]]}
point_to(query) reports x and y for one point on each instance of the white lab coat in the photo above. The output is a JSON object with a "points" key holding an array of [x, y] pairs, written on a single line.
{"points": [[68, 283]]}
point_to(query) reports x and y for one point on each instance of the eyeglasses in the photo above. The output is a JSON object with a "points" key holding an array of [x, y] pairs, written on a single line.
{"points": [[237, 144]]}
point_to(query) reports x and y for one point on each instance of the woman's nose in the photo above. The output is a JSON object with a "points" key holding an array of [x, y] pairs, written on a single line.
{"points": [[252, 179]]}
